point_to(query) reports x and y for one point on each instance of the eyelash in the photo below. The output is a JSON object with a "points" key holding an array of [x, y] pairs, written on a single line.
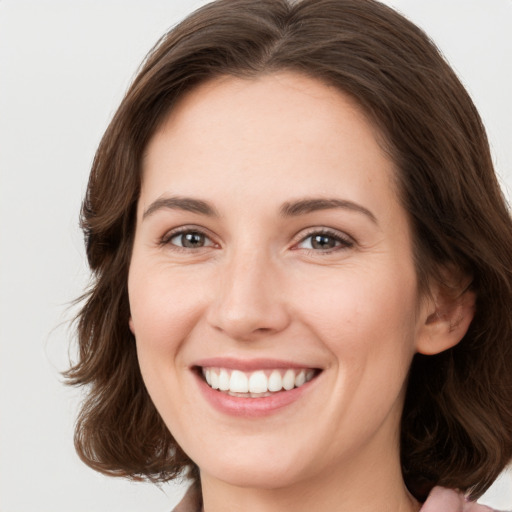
{"points": [[166, 240], [343, 241]]}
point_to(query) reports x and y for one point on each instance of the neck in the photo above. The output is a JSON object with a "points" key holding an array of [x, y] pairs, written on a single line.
{"points": [[372, 484]]}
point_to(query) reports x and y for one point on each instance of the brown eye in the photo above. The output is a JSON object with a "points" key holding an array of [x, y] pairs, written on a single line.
{"points": [[190, 240], [324, 241]]}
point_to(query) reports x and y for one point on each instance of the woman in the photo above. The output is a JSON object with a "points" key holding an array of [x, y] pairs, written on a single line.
{"points": [[302, 269]]}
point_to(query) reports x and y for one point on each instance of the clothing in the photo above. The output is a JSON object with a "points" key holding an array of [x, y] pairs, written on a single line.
{"points": [[448, 500], [439, 500], [192, 501]]}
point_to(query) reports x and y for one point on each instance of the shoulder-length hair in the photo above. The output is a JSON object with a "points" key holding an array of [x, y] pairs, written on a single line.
{"points": [[456, 428]]}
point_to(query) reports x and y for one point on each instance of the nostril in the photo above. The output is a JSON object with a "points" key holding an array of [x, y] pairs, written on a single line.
{"points": [[244, 307]]}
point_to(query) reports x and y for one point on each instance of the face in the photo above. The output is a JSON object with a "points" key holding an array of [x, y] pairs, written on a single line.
{"points": [[272, 288]]}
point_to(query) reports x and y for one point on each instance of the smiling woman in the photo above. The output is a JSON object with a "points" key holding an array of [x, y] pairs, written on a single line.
{"points": [[302, 269], [261, 297]]}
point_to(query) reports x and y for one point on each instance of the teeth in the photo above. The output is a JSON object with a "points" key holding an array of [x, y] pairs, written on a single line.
{"points": [[224, 380], [238, 383], [289, 380], [275, 381], [214, 378], [258, 383], [300, 379]]}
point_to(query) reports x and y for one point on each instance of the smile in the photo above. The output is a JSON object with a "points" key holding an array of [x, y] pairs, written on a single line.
{"points": [[256, 384]]}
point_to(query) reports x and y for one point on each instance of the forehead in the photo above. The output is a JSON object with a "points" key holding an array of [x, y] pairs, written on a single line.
{"points": [[240, 106], [283, 131]]}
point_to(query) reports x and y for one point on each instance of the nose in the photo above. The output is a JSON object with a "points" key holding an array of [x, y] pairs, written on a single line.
{"points": [[250, 300]]}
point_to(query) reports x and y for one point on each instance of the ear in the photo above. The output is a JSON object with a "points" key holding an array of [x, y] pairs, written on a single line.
{"points": [[130, 323], [445, 318]]}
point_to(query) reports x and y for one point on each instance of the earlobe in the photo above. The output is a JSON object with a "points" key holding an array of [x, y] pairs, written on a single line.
{"points": [[445, 322]]}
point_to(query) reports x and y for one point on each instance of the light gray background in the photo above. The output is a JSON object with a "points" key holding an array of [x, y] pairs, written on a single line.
{"points": [[64, 66]]}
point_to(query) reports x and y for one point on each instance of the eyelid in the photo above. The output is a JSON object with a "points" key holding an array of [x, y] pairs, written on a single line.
{"points": [[345, 240], [191, 228]]}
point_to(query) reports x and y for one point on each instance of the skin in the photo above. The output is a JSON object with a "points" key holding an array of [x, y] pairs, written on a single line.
{"points": [[258, 289]]}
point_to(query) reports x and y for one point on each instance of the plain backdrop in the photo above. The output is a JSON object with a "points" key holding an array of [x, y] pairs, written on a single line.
{"points": [[64, 66]]}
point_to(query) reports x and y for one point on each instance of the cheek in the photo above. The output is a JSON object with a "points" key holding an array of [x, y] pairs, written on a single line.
{"points": [[163, 307], [359, 308], [162, 316], [368, 322], [160, 319]]}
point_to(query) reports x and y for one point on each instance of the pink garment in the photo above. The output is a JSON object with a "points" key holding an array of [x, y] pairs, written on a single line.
{"points": [[448, 500]]}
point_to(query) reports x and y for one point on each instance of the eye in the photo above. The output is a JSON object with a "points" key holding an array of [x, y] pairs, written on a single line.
{"points": [[188, 239], [324, 241]]}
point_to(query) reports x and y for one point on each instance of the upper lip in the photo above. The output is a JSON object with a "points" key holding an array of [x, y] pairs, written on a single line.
{"points": [[248, 365]]}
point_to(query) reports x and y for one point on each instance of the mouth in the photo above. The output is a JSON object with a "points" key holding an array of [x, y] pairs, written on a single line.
{"points": [[255, 384]]}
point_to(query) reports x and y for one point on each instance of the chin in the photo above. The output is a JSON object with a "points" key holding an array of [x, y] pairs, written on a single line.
{"points": [[272, 475]]}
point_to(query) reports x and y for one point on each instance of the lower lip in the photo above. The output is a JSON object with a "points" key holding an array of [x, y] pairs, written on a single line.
{"points": [[252, 407]]}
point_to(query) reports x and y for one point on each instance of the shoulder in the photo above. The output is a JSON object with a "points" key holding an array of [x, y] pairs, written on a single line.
{"points": [[448, 500]]}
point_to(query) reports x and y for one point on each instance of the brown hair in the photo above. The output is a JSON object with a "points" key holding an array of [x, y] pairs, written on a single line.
{"points": [[457, 419]]}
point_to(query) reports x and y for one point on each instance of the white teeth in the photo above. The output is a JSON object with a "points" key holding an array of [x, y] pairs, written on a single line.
{"points": [[224, 380], [289, 380], [258, 383], [214, 376], [275, 381], [300, 379], [238, 383]]}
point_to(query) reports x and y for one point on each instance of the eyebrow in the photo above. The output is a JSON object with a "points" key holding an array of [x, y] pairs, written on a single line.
{"points": [[310, 205], [181, 203], [288, 209]]}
